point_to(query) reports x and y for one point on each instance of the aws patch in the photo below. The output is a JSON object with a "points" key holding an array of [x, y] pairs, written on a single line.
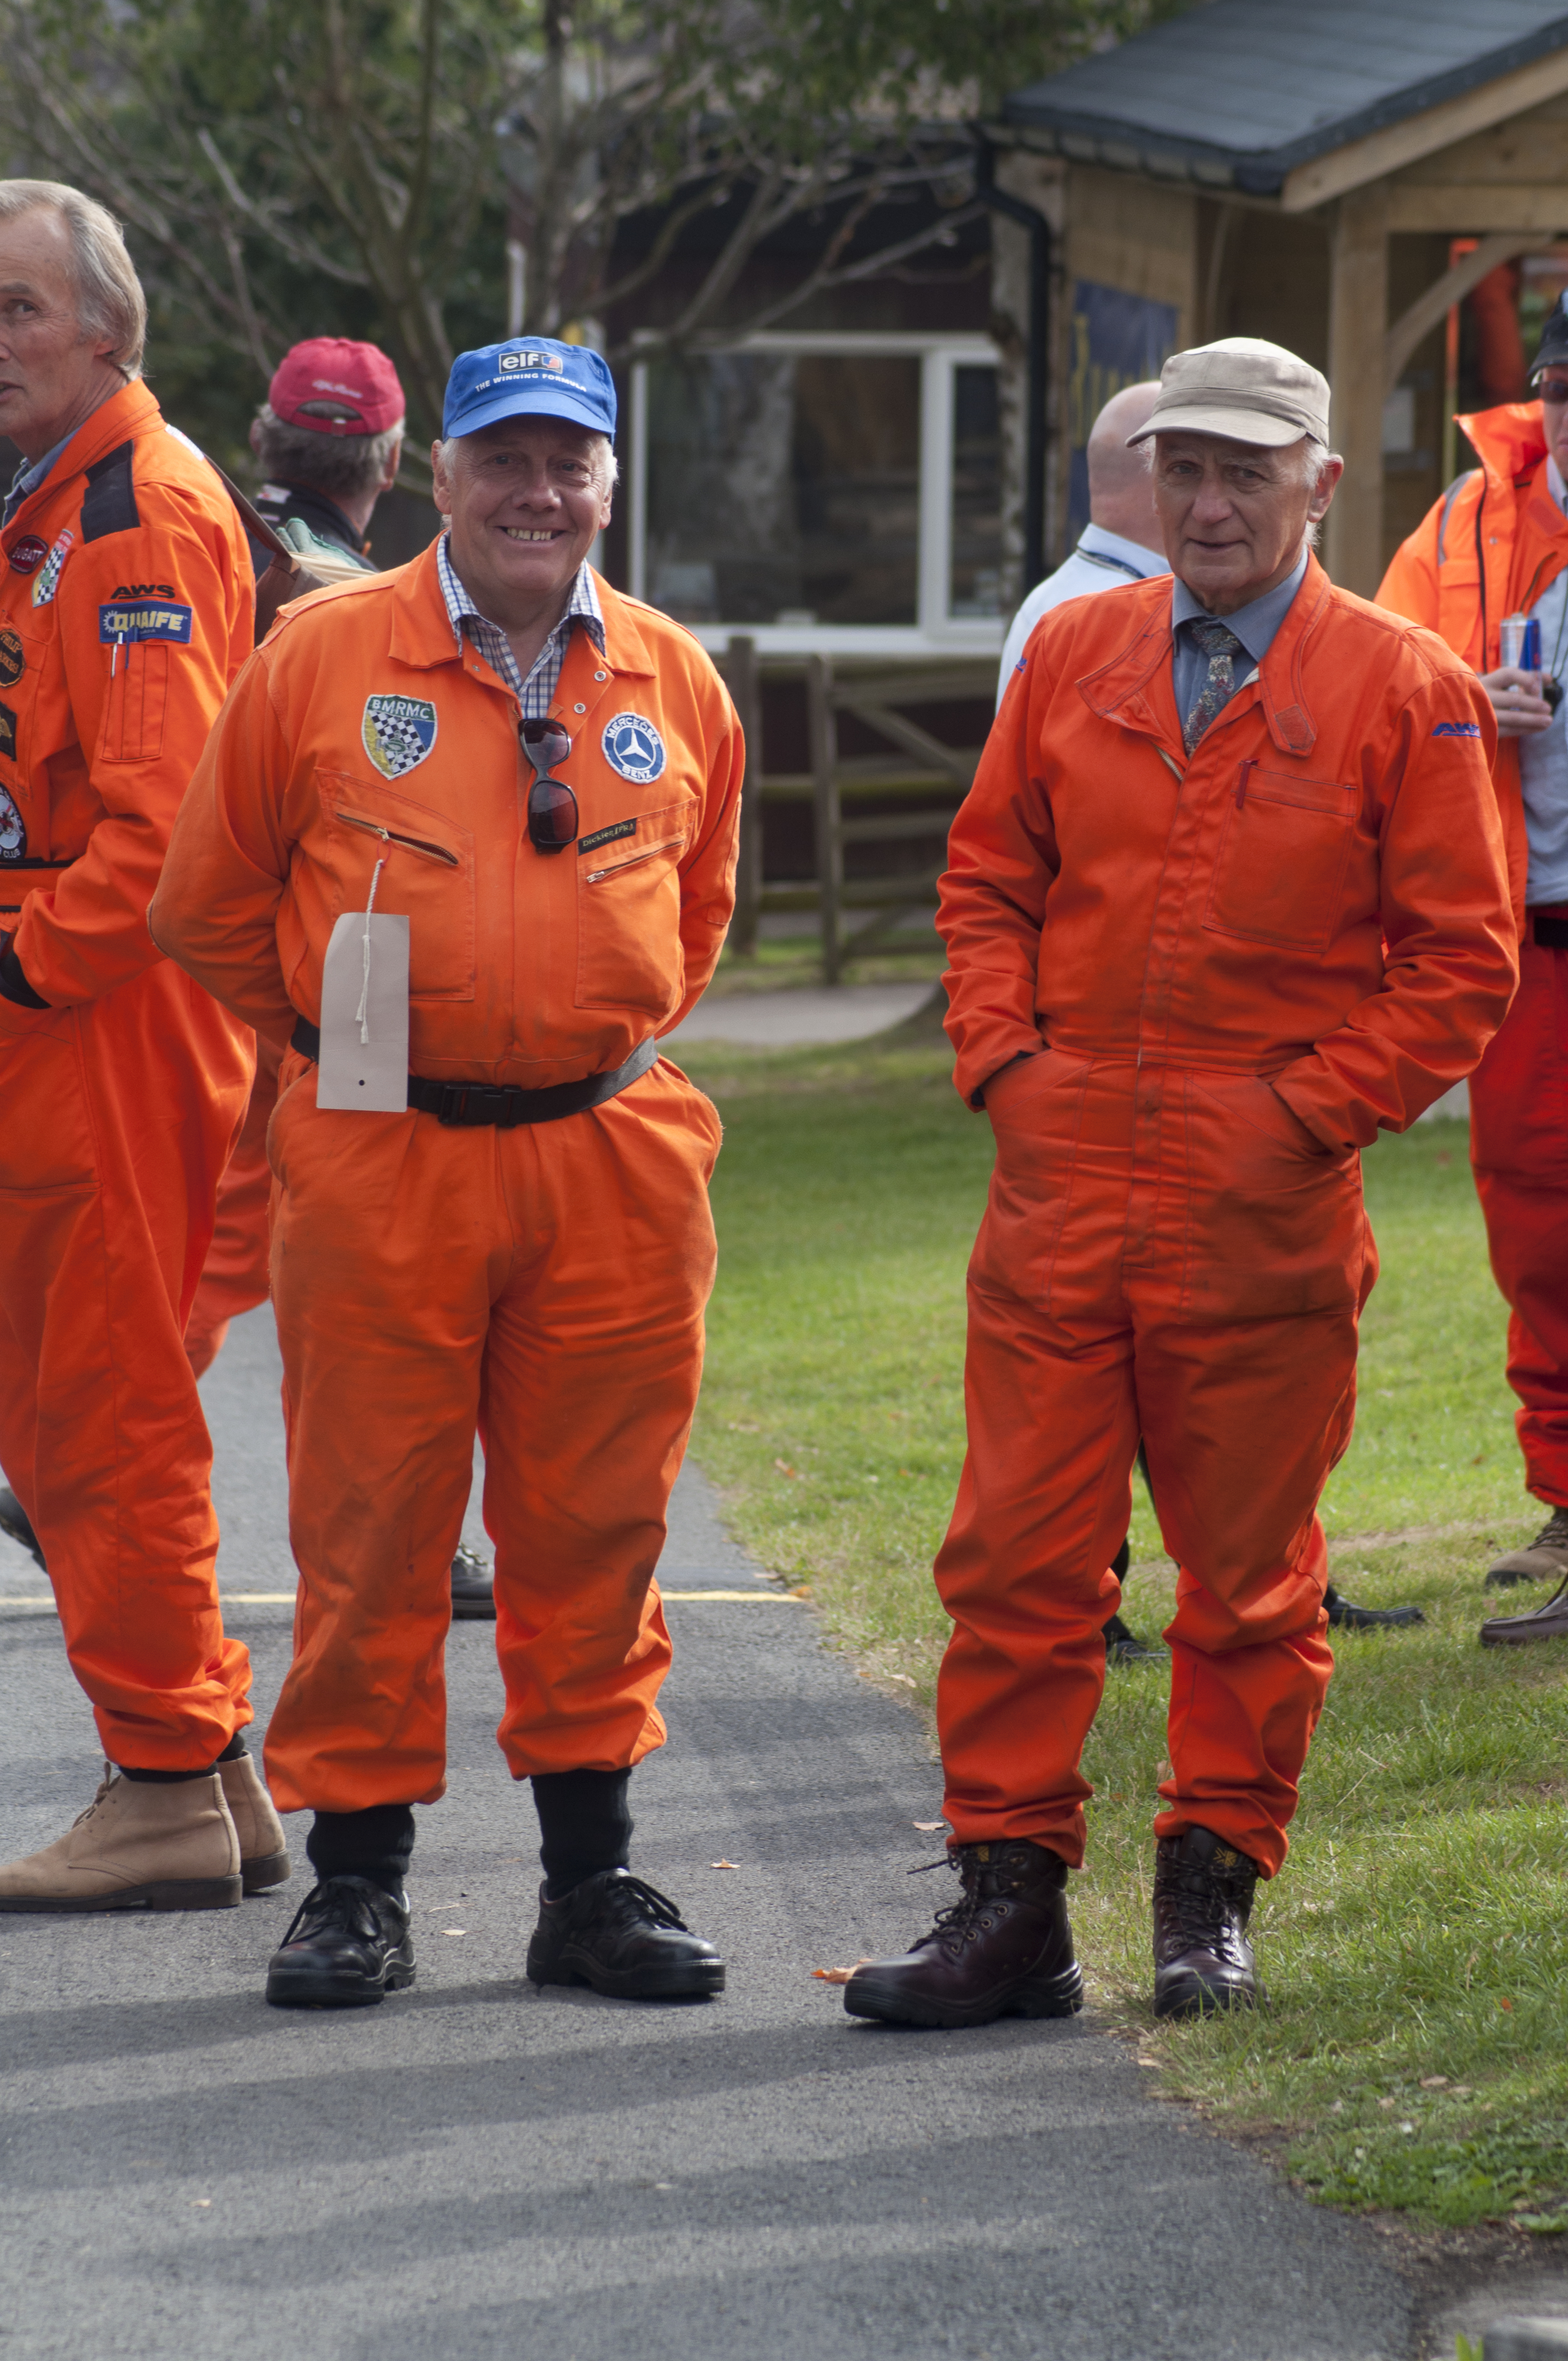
{"points": [[398, 733]]}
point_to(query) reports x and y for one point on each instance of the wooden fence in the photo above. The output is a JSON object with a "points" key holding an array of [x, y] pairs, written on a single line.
{"points": [[916, 764]]}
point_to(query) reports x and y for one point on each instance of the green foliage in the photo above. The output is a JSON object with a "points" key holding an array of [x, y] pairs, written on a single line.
{"points": [[1414, 1946]]}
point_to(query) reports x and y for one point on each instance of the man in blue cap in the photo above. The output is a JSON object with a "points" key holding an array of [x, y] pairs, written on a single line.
{"points": [[492, 1206]]}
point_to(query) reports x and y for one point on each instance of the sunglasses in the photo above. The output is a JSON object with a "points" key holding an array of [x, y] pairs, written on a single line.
{"points": [[552, 805]]}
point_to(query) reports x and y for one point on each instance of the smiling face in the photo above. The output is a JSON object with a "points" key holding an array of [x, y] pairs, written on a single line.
{"points": [[51, 375], [1233, 515], [524, 499]]}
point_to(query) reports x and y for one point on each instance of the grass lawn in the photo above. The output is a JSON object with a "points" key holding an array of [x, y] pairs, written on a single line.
{"points": [[1417, 1943]]}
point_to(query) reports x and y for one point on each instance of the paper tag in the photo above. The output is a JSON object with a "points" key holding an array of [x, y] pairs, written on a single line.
{"points": [[370, 1075]]}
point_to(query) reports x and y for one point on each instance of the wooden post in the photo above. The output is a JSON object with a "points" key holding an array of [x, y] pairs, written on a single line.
{"points": [[824, 736], [1358, 322], [740, 672]]}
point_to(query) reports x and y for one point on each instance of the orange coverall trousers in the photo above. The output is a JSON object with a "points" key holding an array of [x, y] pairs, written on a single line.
{"points": [[1518, 1146], [116, 1117], [235, 1275], [1170, 1254], [544, 1286]]}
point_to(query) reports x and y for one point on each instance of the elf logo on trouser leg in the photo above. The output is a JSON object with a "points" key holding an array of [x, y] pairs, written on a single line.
{"points": [[398, 733]]}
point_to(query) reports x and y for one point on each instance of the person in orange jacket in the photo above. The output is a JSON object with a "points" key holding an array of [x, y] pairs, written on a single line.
{"points": [[1496, 544], [1226, 898], [490, 763], [126, 606]]}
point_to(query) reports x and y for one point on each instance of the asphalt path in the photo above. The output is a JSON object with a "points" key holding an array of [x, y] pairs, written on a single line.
{"points": [[476, 2169]]}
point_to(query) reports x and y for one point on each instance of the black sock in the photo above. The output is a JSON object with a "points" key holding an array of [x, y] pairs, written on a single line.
{"points": [[378, 1844], [584, 1819], [163, 1778], [235, 1748]]}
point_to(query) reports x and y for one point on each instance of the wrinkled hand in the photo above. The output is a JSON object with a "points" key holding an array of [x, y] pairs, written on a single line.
{"points": [[1516, 700]]}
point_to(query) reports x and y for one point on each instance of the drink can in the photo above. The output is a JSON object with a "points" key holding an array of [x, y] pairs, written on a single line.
{"points": [[1511, 631], [1531, 660]]}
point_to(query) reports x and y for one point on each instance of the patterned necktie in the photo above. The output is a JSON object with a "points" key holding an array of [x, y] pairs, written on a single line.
{"points": [[1220, 645]]}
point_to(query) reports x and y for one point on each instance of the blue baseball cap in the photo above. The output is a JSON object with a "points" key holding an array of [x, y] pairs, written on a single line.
{"points": [[529, 377]]}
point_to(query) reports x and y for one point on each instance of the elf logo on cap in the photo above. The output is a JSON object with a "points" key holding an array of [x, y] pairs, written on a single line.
{"points": [[635, 748], [398, 733], [509, 361]]}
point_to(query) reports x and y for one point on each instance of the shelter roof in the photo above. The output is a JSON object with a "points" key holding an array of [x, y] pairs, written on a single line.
{"points": [[1238, 94]]}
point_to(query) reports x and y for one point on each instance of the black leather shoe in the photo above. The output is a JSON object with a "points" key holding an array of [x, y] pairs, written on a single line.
{"points": [[1124, 1647], [14, 1522], [473, 1588], [1346, 1615], [1003, 1948], [349, 1947], [1203, 1900], [623, 1938]]}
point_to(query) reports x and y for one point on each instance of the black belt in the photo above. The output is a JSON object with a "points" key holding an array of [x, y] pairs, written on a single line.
{"points": [[502, 1104], [1551, 934]]}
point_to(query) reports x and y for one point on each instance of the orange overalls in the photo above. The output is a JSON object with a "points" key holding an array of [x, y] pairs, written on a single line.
{"points": [[1187, 957], [1490, 548], [545, 1283], [125, 609]]}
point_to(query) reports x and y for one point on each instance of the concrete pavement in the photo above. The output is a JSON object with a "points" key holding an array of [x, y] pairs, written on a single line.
{"points": [[813, 1016], [474, 2170]]}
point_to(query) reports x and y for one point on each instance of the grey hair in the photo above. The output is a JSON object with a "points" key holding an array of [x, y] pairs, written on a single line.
{"points": [[601, 442], [109, 299], [341, 466]]}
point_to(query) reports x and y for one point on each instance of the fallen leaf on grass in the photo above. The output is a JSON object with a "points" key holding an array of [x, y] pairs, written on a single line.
{"points": [[1435, 2082], [1508, 2005], [839, 1975], [724, 1864]]}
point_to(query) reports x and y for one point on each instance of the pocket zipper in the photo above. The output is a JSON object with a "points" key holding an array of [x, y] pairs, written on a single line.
{"points": [[1250, 764], [392, 836], [615, 869]]}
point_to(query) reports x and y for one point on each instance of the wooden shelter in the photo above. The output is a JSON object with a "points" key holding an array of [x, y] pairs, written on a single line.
{"points": [[1334, 177]]}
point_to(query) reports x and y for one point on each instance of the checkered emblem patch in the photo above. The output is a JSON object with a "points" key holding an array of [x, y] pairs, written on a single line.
{"points": [[398, 733]]}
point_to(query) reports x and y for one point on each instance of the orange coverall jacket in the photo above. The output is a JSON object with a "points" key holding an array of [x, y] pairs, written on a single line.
{"points": [[127, 605], [1328, 912], [523, 969], [1488, 548]]}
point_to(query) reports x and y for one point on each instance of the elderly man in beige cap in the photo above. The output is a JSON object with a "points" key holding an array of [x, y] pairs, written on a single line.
{"points": [[1227, 897]]}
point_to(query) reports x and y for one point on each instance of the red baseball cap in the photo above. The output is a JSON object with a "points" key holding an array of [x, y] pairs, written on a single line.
{"points": [[329, 385]]}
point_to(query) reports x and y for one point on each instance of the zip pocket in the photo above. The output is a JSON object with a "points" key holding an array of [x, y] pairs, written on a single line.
{"points": [[649, 852], [394, 835]]}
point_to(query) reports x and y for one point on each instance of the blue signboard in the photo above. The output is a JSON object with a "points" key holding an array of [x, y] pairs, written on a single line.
{"points": [[1117, 340]]}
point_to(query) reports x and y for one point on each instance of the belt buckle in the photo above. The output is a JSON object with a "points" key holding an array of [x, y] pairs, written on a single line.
{"points": [[453, 1103]]}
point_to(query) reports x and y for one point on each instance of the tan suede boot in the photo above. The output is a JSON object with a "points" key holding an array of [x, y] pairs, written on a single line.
{"points": [[136, 1846], [263, 1851]]}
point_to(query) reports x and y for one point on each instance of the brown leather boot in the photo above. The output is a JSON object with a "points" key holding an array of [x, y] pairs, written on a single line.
{"points": [[1203, 1900], [263, 1849], [1003, 1948], [136, 1846]]}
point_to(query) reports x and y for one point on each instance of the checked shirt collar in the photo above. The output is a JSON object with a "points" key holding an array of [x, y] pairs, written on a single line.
{"points": [[537, 693]]}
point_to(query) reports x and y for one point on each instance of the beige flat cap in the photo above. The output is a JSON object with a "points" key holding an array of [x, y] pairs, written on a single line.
{"points": [[1243, 387]]}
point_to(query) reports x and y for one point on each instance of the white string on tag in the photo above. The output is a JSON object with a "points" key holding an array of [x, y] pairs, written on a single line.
{"points": [[362, 1014]]}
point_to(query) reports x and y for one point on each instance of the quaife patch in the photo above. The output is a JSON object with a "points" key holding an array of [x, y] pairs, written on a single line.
{"points": [[145, 619], [7, 733], [13, 656], [605, 836], [635, 748], [13, 834], [398, 733]]}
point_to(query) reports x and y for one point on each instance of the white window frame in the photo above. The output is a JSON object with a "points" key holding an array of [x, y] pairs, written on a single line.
{"points": [[935, 631]]}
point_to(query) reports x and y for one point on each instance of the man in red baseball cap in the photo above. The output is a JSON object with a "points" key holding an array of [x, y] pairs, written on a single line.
{"points": [[328, 438]]}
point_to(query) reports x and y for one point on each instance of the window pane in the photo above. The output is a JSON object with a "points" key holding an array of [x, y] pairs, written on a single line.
{"points": [[975, 581], [784, 487]]}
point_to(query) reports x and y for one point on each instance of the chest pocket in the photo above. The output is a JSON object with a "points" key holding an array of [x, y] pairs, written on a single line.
{"points": [[1284, 845], [428, 877], [628, 916]]}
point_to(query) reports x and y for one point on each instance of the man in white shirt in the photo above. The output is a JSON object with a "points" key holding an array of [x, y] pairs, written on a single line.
{"points": [[1121, 541]]}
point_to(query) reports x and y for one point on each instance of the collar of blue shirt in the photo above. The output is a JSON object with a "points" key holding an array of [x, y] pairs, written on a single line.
{"points": [[1129, 557], [28, 479], [1254, 625]]}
